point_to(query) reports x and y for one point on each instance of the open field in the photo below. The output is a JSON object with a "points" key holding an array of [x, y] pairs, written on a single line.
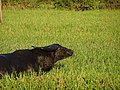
{"points": [[93, 35]]}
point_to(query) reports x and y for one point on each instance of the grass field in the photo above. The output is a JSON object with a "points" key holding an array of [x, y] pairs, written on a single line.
{"points": [[93, 35]]}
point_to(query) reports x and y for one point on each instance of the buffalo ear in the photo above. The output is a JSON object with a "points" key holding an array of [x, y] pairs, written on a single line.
{"points": [[33, 46], [50, 48]]}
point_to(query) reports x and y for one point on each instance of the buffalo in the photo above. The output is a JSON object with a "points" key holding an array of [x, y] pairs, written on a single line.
{"points": [[33, 59]]}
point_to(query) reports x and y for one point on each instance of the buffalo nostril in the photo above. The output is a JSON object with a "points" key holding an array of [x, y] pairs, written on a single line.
{"points": [[70, 53]]}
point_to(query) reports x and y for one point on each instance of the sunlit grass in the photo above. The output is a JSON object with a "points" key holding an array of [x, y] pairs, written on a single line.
{"points": [[93, 35]]}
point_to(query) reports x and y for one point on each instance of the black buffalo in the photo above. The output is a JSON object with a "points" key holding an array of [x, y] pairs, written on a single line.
{"points": [[32, 59]]}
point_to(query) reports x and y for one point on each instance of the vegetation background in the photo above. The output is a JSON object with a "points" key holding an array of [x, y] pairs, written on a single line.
{"points": [[94, 36], [69, 4]]}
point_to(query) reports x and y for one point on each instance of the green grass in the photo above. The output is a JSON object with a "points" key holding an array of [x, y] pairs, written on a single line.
{"points": [[93, 35]]}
